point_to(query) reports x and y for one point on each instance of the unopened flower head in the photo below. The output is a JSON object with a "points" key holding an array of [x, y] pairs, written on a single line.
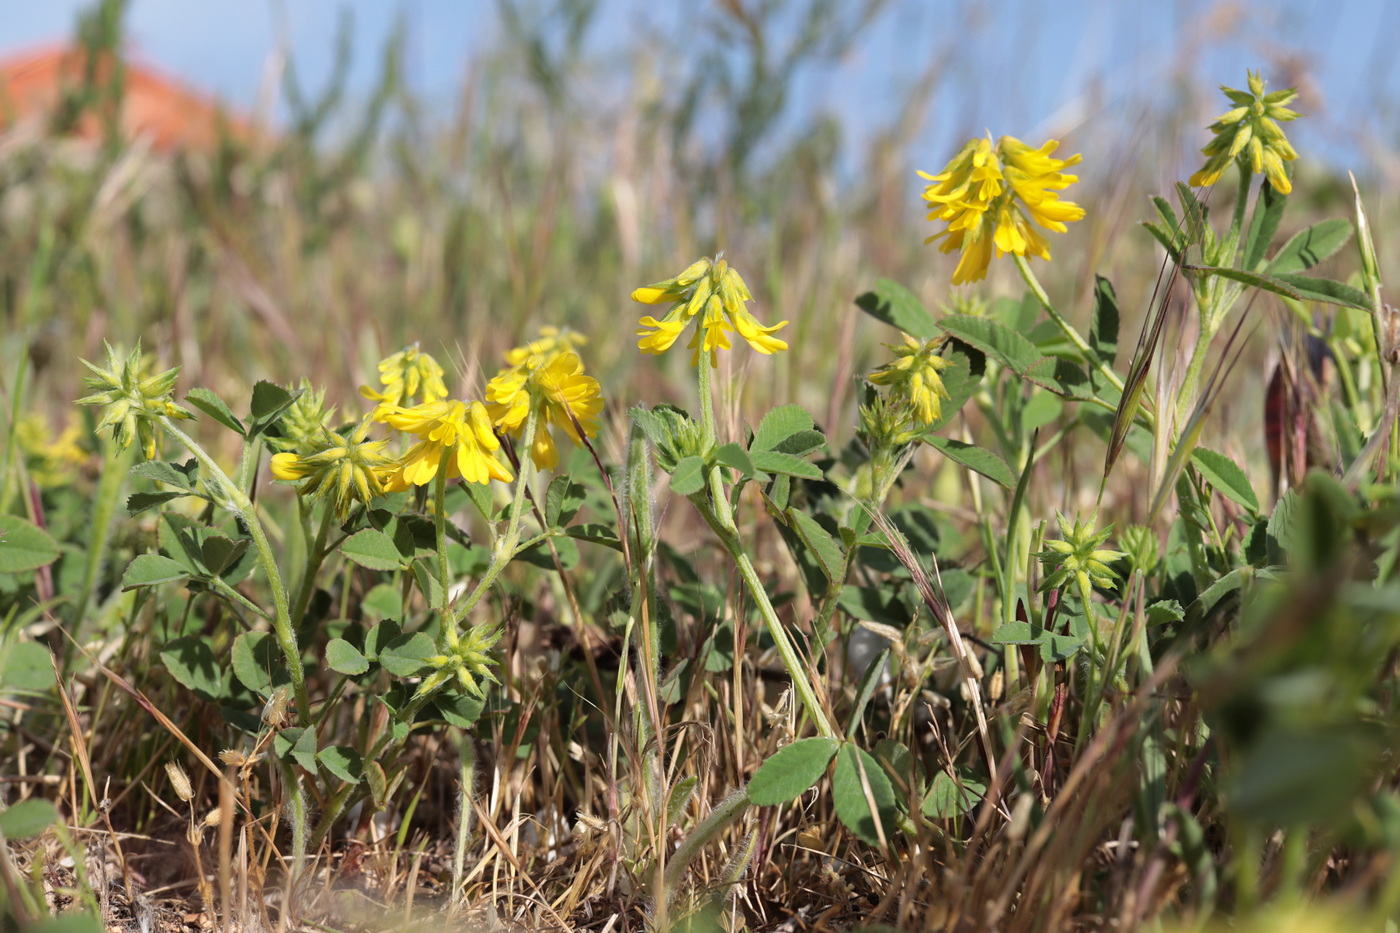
{"points": [[405, 376], [914, 376], [344, 469], [1078, 556], [550, 380], [713, 291], [988, 195], [1249, 132], [134, 401], [451, 432], [303, 425], [469, 659]]}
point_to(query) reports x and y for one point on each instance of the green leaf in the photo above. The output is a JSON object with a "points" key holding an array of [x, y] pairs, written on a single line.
{"points": [[736, 457], [215, 407], [688, 477], [791, 771], [180, 475], [343, 762], [949, 796], [139, 502], [780, 424], [297, 744], [344, 658], [1310, 288], [896, 305], [459, 709], [974, 458], [379, 637], [373, 549], [562, 501], [1016, 353], [258, 663], [1226, 476], [679, 798], [1053, 647], [152, 570], [595, 533], [222, 553], [24, 546], [25, 665], [875, 604], [823, 546], [771, 461], [269, 402], [1103, 333], [848, 793], [27, 819], [407, 655], [1310, 246], [960, 379], [1268, 211], [191, 662]]}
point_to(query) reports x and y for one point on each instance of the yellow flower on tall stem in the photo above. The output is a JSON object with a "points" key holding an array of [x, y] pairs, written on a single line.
{"points": [[553, 383], [404, 376], [713, 291], [990, 194], [451, 432], [343, 469]]}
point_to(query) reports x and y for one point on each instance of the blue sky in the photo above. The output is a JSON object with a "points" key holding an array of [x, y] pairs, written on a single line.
{"points": [[1025, 67]]}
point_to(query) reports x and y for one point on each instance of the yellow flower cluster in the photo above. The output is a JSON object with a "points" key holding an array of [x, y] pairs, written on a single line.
{"points": [[913, 376], [454, 435], [1250, 132], [713, 291], [988, 195]]}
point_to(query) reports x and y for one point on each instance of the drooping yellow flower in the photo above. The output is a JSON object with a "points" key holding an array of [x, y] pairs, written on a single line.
{"points": [[713, 291], [458, 431], [404, 376], [988, 195], [914, 376], [554, 384], [551, 342], [1250, 132], [345, 470]]}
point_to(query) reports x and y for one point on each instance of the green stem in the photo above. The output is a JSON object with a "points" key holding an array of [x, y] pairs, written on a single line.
{"points": [[1065, 326], [236, 501], [448, 636], [115, 466], [707, 404], [313, 566]]}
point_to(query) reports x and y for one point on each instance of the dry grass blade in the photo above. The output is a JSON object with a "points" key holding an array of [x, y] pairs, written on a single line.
{"points": [[930, 592]]}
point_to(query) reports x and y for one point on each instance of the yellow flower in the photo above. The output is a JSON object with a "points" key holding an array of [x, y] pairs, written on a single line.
{"points": [[555, 385], [914, 376], [714, 291], [404, 375], [449, 429], [345, 470], [552, 341], [988, 195], [1250, 133], [50, 460]]}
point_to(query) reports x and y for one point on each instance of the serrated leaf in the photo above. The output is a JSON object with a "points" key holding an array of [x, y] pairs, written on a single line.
{"points": [[191, 662], [780, 424], [221, 553], [688, 477], [344, 658], [374, 550], [1310, 246], [595, 534], [25, 546], [180, 475], [1016, 353], [407, 655], [27, 819], [1311, 288], [823, 546], [771, 461], [459, 709], [736, 457], [1053, 647], [855, 768], [898, 307], [258, 663], [562, 501], [343, 762], [139, 502], [1226, 476], [977, 459], [791, 770], [215, 407], [949, 796], [152, 570]]}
